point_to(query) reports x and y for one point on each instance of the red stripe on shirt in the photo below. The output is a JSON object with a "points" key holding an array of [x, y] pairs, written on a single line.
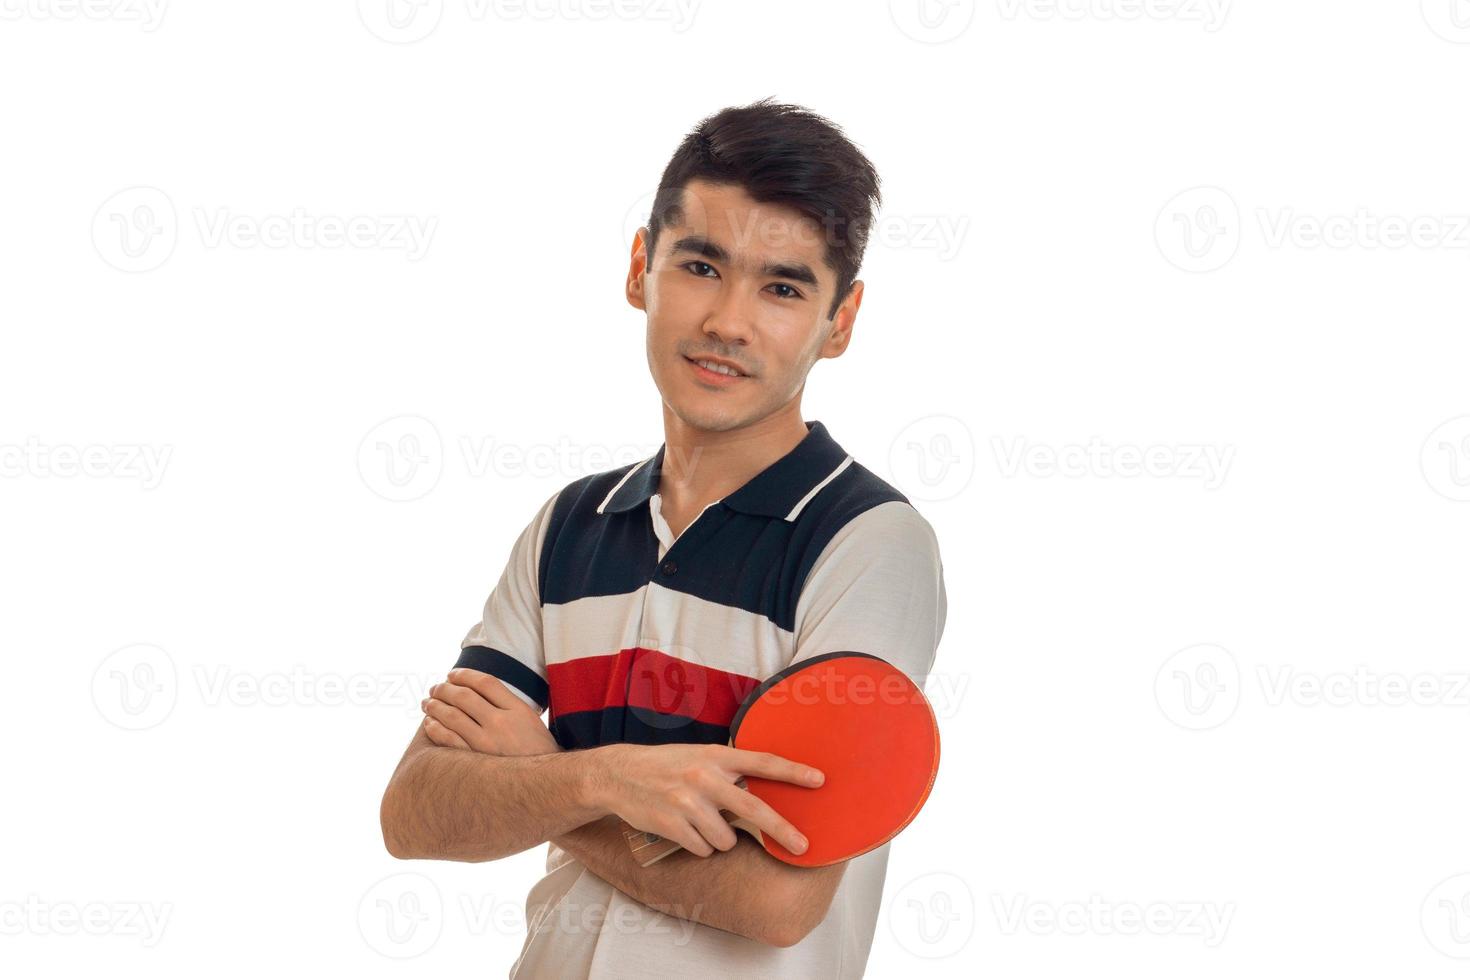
{"points": [[640, 677]]}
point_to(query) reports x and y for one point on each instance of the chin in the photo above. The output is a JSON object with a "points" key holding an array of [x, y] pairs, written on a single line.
{"points": [[709, 420], [701, 413]]}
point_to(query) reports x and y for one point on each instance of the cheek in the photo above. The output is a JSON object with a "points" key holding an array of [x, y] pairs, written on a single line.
{"points": [[796, 343], [666, 283]]}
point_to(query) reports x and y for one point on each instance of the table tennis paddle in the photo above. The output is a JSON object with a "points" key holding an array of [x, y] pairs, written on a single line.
{"points": [[865, 725]]}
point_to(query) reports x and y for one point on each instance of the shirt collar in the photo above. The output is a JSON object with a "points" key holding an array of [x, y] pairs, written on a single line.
{"points": [[780, 490]]}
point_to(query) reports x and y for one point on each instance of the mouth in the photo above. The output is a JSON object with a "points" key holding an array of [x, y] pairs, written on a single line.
{"points": [[713, 372]]}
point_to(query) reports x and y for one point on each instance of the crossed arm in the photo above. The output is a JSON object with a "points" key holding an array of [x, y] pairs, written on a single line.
{"points": [[483, 768]]}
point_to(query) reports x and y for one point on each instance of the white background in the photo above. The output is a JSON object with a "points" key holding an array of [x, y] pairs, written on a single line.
{"points": [[1201, 720]]}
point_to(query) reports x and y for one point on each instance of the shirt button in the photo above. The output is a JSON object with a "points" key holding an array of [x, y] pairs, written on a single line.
{"points": [[668, 567]]}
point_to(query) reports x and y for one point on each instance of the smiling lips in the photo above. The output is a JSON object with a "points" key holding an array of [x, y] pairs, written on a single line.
{"points": [[714, 372]]}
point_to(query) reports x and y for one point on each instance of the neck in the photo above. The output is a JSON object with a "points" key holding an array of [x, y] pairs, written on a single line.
{"points": [[701, 466]]}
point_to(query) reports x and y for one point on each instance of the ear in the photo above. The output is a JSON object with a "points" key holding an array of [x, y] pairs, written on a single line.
{"points": [[842, 322], [637, 266]]}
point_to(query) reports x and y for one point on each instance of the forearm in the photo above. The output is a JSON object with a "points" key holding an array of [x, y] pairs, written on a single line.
{"points": [[743, 890], [455, 805]]}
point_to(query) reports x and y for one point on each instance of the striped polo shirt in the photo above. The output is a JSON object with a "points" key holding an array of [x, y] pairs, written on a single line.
{"points": [[623, 633]]}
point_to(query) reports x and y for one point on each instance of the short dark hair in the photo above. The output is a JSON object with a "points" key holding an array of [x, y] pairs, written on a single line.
{"points": [[780, 154]]}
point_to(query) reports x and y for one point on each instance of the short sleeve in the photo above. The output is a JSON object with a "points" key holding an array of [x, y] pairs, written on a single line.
{"points": [[877, 588], [507, 641]]}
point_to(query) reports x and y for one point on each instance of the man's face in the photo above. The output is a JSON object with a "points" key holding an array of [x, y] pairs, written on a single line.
{"points": [[744, 283]]}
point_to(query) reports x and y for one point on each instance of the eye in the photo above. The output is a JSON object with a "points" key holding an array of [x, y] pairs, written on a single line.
{"points": [[698, 269]]}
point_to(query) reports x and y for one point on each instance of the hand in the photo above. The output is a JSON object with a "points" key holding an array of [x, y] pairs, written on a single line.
{"points": [[472, 710], [678, 791]]}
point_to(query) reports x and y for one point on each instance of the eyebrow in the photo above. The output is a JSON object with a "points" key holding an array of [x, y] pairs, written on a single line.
{"points": [[699, 245]]}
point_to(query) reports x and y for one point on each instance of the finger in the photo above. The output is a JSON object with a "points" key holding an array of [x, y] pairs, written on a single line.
{"points": [[488, 687], [465, 699], [770, 766], [713, 828], [451, 718], [760, 813], [684, 834], [440, 735]]}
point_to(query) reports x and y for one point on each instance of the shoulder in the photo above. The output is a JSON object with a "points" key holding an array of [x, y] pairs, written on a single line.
{"points": [[861, 517], [876, 585]]}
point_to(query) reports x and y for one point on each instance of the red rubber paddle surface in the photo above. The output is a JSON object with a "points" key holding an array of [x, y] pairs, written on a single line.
{"points": [[863, 723]]}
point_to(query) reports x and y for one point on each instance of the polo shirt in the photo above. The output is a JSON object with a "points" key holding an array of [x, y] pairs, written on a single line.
{"points": [[622, 632]]}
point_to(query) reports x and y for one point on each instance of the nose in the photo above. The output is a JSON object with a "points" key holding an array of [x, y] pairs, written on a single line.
{"points": [[732, 321]]}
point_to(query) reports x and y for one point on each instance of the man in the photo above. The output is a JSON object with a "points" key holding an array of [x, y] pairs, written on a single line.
{"points": [[641, 605]]}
